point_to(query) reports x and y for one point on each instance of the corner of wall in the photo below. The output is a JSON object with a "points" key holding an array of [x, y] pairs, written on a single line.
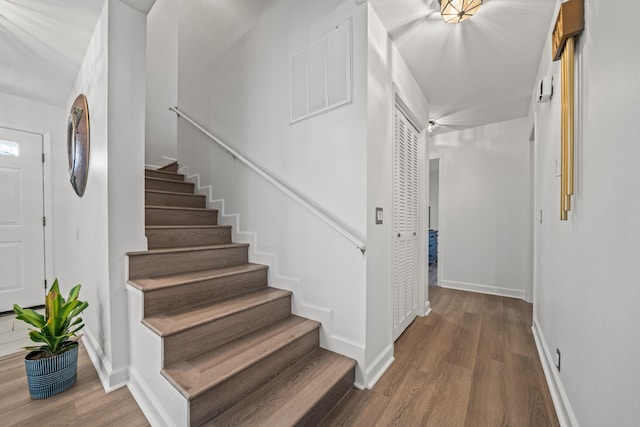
{"points": [[378, 367], [111, 379]]}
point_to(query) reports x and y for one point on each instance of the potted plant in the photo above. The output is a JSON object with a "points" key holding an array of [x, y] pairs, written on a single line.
{"points": [[52, 366]]}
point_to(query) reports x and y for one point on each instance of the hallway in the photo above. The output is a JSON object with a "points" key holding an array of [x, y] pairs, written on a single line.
{"points": [[471, 362]]}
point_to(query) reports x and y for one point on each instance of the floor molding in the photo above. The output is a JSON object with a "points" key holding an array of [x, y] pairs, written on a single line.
{"points": [[378, 367], [150, 407], [560, 400], [111, 379], [483, 289]]}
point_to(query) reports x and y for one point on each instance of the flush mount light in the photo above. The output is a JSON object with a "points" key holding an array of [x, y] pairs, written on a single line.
{"points": [[454, 11]]}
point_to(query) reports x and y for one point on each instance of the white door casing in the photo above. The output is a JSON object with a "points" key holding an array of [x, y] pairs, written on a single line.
{"points": [[405, 223], [22, 271]]}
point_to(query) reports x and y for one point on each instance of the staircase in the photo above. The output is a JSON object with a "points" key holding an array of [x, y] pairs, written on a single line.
{"points": [[230, 345]]}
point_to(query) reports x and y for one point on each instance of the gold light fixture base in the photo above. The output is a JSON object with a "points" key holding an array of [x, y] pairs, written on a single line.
{"points": [[455, 11]]}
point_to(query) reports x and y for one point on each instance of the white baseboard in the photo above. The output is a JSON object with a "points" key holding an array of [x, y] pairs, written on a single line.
{"points": [[560, 400], [378, 367], [151, 408], [483, 289], [111, 379], [427, 308]]}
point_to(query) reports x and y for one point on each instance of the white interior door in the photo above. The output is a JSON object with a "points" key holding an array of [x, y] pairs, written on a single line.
{"points": [[22, 271], [405, 224]]}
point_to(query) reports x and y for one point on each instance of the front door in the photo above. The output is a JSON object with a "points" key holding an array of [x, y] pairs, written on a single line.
{"points": [[22, 271]]}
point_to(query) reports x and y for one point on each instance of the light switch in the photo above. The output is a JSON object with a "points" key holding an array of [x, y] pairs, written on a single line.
{"points": [[378, 215]]}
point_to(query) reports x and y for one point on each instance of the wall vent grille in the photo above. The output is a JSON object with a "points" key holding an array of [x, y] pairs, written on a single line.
{"points": [[321, 74]]}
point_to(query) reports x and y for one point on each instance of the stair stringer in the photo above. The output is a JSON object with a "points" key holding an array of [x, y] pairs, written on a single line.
{"points": [[159, 400], [328, 338]]}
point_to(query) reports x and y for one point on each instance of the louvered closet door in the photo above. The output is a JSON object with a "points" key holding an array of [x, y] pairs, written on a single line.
{"points": [[405, 224]]}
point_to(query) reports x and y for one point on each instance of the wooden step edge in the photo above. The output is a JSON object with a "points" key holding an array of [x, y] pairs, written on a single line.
{"points": [[173, 181], [170, 165], [264, 349], [274, 397], [183, 279], [272, 294], [185, 227], [163, 171], [174, 193], [179, 208], [186, 249], [168, 172]]}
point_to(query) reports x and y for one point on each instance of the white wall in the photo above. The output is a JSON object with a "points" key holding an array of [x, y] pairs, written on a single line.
{"points": [[586, 270], [484, 235], [434, 191], [242, 96], [162, 83], [92, 233], [388, 77], [340, 160]]}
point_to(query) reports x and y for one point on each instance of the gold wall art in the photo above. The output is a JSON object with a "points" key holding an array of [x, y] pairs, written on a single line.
{"points": [[569, 24]]}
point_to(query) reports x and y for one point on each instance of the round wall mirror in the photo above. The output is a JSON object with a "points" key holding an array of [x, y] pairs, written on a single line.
{"points": [[78, 144]]}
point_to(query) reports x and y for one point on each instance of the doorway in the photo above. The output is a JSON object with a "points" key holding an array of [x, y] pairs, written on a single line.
{"points": [[22, 246]]}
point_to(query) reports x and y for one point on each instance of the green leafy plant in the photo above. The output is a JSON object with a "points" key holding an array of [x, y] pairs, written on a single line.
{"points": [[59, 324]]}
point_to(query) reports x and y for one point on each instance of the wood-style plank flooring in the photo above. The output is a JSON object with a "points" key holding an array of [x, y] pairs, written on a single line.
{"points": [[84, 404], [471, 362]]}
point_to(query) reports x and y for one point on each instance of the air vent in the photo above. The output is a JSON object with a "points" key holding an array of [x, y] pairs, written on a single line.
{"points": [[321, 74]]}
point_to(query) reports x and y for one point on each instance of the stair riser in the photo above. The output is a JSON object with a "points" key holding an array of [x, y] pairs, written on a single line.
{"points": [[178, 200], [177, 186], [164, 175], [171, 167], [177, 297], [321, 409], [180, 237], [154, 216], [219, 332], [220, 398], [154, 265]]}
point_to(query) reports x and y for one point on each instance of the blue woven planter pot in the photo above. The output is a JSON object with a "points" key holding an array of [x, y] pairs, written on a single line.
{"points": [[52, 375]]}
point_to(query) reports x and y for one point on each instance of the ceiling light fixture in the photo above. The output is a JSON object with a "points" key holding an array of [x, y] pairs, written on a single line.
{"points": [[432, 125], [454, 11]]}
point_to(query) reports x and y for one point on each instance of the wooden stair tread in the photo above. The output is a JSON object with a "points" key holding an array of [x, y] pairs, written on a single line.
{"points": [[166, 324], [180, 208], [200, 373], [187, 249], [170, 227], [173, 164], [162, 282], [163, 171], [171, 181], [158, 172], [173, 193], [286, 399]]}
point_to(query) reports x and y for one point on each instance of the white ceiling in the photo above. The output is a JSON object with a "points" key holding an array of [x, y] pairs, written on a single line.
{"points": [[42, 43], [476, 72], [473, 73]]}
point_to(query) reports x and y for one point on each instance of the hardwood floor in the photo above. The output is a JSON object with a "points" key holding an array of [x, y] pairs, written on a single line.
{"points": [[471, 362], [84, 404]]}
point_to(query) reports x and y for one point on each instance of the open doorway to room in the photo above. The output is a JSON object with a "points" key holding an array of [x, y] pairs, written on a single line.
{"points": [[434, 211]]}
